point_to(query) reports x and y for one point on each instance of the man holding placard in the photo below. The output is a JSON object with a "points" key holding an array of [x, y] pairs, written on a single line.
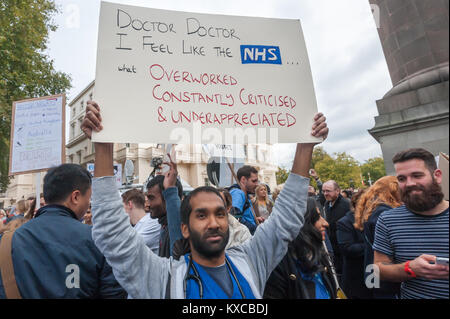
{"points": [[200, 79], [209, 271]]}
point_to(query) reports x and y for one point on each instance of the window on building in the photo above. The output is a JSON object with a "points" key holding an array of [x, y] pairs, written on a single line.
{"points": [[79, 157], [90, 97], [80, 120], [72, 130], [82, 106], [92, 147]]}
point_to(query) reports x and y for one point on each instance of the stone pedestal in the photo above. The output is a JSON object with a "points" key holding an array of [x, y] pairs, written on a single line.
{"points": [[415, 38], [417, 118]]}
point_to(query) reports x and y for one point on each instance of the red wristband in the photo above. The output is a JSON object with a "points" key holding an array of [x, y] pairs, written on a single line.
{"points": [[409, 271]]}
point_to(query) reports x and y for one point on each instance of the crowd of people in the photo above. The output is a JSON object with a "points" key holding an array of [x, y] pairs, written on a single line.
{"points": [[87, 240]]}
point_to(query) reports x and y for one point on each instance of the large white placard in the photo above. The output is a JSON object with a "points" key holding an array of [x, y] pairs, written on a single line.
{"points": [[37, 134], [189, 78]]}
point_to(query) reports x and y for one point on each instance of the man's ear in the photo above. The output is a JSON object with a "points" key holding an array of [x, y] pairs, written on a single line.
{"points": [[130, 204], [185, 231], [75, 197], [438, 176]]}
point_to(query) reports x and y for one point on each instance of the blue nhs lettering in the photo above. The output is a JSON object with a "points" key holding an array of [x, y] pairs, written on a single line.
{"points": [[260, 54]]}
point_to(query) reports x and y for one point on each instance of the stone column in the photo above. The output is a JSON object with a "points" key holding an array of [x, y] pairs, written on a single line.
{"points": [[415, 38]]}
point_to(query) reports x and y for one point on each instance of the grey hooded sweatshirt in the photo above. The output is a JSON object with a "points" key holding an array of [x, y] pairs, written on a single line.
{"points": [[144, 275]]}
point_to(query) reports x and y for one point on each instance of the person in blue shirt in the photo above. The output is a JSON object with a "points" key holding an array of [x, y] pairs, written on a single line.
{"points": [[247, 183], [210, 271], [305, 271]]}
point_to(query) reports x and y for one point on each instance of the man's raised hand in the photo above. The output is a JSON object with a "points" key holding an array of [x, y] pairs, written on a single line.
{"points": [[92, 120], [320, 128], [170, 177]]}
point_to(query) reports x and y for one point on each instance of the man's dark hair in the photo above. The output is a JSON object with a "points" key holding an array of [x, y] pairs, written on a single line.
{"points": [[159, 180], [186, 207], [227, 195], [61, 181], [416, 153], [136, 196], [246, 171]]}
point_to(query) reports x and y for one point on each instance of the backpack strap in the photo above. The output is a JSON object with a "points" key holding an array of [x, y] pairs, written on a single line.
{"points": [[7, 268]]}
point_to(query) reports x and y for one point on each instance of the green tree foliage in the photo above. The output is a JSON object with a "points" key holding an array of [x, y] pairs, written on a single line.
{"points": [[25, 70], [319, 154], [341, 167], [281, 175], [374, 166]]}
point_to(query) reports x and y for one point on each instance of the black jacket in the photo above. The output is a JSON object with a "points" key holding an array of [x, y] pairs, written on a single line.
{"points": [[285, 282], [164, 239], [387, 290], [351, 246], [333, 214], [52, 252]]}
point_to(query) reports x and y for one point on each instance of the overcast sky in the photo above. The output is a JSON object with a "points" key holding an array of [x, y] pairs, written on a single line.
{"points": [[347, 62]]}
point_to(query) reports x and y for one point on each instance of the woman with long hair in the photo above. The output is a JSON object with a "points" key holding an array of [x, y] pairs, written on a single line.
{"points": [[305, 272], [31, 210], [381, 196], [262, 205], [22, 207]]}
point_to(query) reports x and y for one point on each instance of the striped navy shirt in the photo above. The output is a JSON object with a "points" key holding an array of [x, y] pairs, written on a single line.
{"points": [[403, 235]]}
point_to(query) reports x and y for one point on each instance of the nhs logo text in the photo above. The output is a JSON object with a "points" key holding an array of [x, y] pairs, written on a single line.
{"points": [[261, 54]]}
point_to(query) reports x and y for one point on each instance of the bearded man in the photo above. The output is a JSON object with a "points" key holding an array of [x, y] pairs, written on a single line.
{"points": [[411, 240], [209, 271]]}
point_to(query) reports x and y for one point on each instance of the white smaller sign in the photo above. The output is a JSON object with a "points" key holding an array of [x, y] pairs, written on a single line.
{"points": [[37, 134], [117, 172], [219, 171], [225, 150]]}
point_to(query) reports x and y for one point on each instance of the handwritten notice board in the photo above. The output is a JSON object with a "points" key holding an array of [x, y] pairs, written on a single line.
{"points": [[178, 77], [37, 134]]}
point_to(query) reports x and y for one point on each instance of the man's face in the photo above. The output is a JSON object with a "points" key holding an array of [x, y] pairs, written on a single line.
{"points": [[420, 189], [208, 230], [42, 202], [250, 183], [330, 193], [311, 191], [154, 202], [83, 203]]}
